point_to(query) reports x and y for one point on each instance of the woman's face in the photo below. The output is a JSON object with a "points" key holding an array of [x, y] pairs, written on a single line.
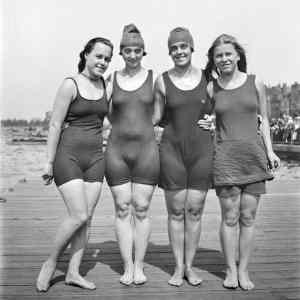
{"points": [[226, 58], [97, 61], [181, 54], [132, 56]]}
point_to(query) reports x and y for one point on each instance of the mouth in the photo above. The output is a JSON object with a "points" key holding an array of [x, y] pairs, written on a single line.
{"points": [[180, 57], [101, 69]]}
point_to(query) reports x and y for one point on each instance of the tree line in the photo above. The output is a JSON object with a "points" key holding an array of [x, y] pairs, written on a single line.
{"points": [[282, 99]]}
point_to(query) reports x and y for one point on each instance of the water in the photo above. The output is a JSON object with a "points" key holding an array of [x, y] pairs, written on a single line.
{"points": [[22, 161]]}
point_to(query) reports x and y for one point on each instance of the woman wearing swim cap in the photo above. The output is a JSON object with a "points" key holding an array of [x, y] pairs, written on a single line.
{"points": [[185, 152], [132, 159]]}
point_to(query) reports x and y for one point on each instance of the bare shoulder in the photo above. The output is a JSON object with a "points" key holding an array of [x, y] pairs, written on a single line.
{"points": [[68, 87], [259, 84]]}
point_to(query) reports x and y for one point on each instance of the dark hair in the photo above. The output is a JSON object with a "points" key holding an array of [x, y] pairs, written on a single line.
{"points": [[89, 48], [224, 39]]}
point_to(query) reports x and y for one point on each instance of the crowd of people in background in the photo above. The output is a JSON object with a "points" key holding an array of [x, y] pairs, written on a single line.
{"points": [[285, 129]]}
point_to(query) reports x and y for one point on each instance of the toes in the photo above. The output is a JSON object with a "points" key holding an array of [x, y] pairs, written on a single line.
{"points": [[175, 282], [42, 287], [82, 283], [126, 280]]}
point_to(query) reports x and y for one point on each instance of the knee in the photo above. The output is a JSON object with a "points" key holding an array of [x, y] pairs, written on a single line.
{"points": [[177, 215], [194, 213], [81, 218], [141, 211], [122, 210], [231, 218], [247, 218]]}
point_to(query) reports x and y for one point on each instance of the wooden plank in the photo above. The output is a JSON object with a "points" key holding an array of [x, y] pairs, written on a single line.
{"points": [[30, 217]]}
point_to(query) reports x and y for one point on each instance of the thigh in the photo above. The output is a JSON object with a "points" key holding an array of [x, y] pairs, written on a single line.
{"points": [[230, 198], [95, 172], [65, 168], [92, 192], [142, 194], [73, 194], [173, 174], [200, 173], [175, 200], [255, 189], [249, 202], [117, 171], [122, 195], [146, 167], [195, 199]]}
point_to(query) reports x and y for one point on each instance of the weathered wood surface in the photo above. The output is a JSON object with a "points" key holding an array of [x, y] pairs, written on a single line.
{"points": [[30, 217]]}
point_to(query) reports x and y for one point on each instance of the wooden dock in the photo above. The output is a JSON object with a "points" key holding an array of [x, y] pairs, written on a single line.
{"points": [[32, 212]]}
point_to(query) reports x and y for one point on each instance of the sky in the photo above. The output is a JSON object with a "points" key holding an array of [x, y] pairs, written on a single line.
{"points": [[41, 40]]}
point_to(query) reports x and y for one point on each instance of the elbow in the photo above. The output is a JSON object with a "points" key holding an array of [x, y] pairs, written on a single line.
{"points": [[55, 126]]}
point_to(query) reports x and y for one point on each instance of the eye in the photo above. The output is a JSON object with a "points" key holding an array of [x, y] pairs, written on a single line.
{"points": [[127, 50], [138, 51], [183, 46], [173, 48]]}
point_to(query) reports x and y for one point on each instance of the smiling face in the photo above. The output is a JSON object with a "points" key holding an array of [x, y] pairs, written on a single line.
{"points": [[181, 54], [97, 61], [132, 56], [226, 58]]}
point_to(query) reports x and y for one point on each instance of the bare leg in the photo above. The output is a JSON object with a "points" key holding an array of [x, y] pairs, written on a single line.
{"points": [[122, 195], [142, 194], [249, 204], [228, 235], [74, 198], [79, 241], [175, 201], [193, 212]]}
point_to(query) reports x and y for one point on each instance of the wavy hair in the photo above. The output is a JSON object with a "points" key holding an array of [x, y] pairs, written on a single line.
{"points": [[89, 48], [210, 67]]}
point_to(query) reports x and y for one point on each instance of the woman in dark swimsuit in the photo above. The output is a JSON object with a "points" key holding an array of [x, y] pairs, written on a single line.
{"points": [[185, 152], [243, 155], [75, 159], [132, 159]]}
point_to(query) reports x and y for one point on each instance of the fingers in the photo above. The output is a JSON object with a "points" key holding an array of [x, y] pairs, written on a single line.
{"points": [[47, 179]]}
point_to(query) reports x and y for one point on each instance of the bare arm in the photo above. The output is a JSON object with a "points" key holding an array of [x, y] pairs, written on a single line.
{"points": [[265, 127], [64, 96], [208, 123], [109, 90], [159, 100]]}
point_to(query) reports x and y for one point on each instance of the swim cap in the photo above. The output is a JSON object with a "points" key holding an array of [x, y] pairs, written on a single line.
{"points": [[180, 34], [131, 37]]}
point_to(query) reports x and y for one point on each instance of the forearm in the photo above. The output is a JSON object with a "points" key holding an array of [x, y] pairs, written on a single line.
{"points": [[53, 139], [265, 130]]}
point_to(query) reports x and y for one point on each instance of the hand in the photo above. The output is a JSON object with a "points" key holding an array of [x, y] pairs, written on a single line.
{"points": [[274, 161], [48, 174], [207, 123]]}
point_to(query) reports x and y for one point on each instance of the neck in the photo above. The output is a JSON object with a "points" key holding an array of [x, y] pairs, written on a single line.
{"points": [[184, 70], [132, 71], [229, 77], [89, 76]]}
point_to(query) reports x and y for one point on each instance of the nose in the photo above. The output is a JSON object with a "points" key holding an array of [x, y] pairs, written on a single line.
{"points": [[132, 55], [223, 58]]}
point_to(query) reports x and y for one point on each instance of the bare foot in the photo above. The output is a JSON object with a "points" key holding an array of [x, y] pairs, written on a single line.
{"points": [[139, 276], [192, 277], [45, 275], [244, 281], [231, 280], [177, 278], [127, 277], [78, 280]]}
